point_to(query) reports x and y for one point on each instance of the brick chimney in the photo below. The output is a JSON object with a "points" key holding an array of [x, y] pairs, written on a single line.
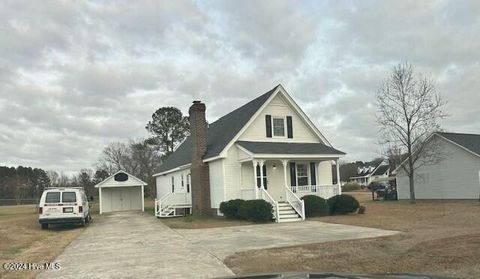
{"points": [[199, 172]]}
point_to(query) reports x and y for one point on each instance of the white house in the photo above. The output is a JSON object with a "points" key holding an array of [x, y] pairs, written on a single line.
{"points": [[367, 174], [266, 149], [121, 192], [455, 176]]}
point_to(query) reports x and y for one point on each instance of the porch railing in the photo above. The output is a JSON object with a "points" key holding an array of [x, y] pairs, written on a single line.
{"points": [[295, 202], [266, 196], [324, 191], [170, 201]]}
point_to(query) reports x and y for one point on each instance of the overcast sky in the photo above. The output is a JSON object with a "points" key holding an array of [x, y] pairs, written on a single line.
{"points": [[77, 75]]}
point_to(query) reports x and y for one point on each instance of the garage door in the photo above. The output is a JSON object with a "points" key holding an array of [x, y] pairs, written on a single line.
{"points": [[121, 199]]}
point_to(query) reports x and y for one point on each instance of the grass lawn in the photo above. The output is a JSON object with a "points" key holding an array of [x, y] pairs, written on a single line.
{"points": [[440, 237], [22, 239]]}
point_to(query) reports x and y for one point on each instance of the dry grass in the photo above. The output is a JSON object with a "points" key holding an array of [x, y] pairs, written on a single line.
{"points": [[439, 238], [190, 222], [22, 239]]}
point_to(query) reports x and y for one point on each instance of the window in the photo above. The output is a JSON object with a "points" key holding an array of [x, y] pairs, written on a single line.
{"points": [[278, 124], [52, 197], [182, 180], [302, 174], [173, 184], [259, 176], [188, 183], [69, 197]]}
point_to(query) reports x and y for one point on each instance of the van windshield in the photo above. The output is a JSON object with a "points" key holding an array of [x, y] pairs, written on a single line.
{"points": [[69, 197], [52, 197]]}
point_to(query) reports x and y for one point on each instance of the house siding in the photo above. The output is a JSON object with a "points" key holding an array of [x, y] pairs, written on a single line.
{"points": [[280, 107], [324, 176], [232, 170], [164, 182], [455, 177], [217, 182]]}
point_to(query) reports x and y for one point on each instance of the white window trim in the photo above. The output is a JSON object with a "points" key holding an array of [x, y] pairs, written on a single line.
{"points": [[284, 127], [308, 172]]}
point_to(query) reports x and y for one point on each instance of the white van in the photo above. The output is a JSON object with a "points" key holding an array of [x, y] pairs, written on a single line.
{"points": [[63, 206]]}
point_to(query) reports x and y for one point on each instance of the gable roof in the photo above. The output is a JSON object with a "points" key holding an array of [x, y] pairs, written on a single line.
{"points": [[132, 181], [382, 169], [468, 142], [288, 148], [471, 142], [220, 133]]}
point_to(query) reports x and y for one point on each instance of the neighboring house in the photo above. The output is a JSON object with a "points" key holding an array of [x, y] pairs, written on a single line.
{"points": [[266, 149], [455, 176], [368, 174]]}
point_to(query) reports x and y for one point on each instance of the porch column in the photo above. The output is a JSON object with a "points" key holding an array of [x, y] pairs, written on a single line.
{"points": [[285, 163], [338, 177], [262, 162], [254, 163]]}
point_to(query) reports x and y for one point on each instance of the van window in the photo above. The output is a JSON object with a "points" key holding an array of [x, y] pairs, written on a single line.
{"points": [[69, 197], [52, 197]]}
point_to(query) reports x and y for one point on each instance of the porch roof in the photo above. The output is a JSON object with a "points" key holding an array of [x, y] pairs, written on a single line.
{"points": [[289, 148]]}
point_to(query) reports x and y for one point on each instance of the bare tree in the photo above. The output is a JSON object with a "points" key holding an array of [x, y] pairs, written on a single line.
{"points": [[409, 111], [136, 157]]}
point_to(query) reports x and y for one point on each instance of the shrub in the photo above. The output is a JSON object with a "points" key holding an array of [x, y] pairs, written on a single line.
{"points": [[351, 186], [258, 211], [315, 206], [231, 208], [342, 204], [362, 209]]}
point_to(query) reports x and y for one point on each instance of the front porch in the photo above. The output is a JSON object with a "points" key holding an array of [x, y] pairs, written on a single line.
{"points": [[283, 181]]}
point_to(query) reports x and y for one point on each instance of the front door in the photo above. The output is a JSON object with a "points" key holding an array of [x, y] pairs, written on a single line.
{"points": [[260, 177]]}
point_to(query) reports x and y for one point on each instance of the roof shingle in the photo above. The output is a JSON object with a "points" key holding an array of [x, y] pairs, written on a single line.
{"points": [[220, 133], [288, 148], [468, 141]]}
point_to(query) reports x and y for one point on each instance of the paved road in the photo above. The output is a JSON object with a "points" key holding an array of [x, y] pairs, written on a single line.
{"points": [[137, 245]]}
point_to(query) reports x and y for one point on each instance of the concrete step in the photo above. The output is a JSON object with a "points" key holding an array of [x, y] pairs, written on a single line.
{"points": [[289, 220], [288, 211], [288, 216]]}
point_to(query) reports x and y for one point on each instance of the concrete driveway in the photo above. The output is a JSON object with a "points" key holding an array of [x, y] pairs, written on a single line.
{"points": [[223, 242], [137, 245], [134, 245]]}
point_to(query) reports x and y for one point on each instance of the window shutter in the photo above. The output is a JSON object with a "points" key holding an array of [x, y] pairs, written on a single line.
{"points": [[257, 171], [313, 174], [293, 175], [268, 125], [265, 176], [289, 127]]}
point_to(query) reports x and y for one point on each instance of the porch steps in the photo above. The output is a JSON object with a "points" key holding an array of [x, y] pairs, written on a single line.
{"points": [[287, 213]]}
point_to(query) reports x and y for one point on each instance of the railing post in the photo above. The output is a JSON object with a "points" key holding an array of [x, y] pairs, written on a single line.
{"points": [[303, 210], [277, 213]]}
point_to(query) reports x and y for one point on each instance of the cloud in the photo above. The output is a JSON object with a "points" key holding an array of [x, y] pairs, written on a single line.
{"points": [[77, 75]]}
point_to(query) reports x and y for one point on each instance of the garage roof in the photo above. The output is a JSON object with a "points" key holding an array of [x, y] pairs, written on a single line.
{"points": [[111, 181]]}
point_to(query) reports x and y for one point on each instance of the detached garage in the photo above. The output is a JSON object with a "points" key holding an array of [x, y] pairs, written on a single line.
{"points": [[121, 192]]}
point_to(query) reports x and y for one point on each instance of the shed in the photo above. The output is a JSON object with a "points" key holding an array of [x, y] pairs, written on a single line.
{"points": [[121, 192]]}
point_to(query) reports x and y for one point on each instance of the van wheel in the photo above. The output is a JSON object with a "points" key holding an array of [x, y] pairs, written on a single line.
{"points": [[44, 226]]}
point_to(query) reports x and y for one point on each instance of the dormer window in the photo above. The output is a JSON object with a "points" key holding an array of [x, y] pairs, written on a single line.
{"points": [[278, 124]]}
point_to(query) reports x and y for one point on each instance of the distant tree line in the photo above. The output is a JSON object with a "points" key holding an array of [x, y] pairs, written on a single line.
{"points": [[141, 158]]}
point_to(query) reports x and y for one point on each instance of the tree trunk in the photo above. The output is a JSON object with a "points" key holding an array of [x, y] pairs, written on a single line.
{"points": [[411, 180]]}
